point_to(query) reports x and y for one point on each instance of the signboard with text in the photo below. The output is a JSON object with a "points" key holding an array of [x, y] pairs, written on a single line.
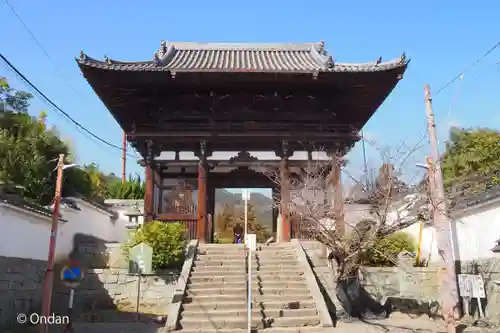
{"points": [[251, 242], [471, 286], [141, 259]]}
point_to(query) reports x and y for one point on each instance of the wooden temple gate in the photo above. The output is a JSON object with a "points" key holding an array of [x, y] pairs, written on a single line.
{"points": [[213, 97]]}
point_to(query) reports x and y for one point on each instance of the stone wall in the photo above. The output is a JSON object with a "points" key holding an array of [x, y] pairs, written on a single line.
{"points": [[410, 289], [20, 288], [109, 294], [112, 294]]}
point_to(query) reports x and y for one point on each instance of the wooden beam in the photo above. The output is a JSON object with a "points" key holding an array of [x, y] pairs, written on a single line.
{"points": [[253, 134]]}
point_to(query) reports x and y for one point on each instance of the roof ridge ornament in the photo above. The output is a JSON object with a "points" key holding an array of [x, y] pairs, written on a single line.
{"points": [[164, 54], [330, 63], [402, 59], [379, 61], [107, 60], [163, 48], [321, 49], [83, 56]]}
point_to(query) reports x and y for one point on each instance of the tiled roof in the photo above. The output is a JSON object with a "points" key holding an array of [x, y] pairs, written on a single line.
{"points": [[244, 57], [22, 203]]}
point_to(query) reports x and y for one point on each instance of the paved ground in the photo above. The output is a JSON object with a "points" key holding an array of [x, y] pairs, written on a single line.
{"points": [[400, 324]]}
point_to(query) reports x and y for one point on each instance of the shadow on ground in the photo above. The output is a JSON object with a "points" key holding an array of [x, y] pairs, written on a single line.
{"points": [[108, 300]]}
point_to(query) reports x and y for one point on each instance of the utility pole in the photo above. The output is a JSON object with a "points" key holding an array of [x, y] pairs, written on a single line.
{"points": [[442, 223], [49, 276], [124, 157]]}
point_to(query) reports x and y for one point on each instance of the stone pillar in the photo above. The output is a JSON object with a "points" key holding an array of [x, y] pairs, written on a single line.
{"points": [[202, 195], [149, 192]]}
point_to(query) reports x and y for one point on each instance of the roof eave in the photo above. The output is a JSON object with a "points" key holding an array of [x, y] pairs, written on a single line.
{"points": [[371, 67]]}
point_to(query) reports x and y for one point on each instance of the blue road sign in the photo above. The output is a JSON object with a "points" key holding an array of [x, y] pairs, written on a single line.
{"points": [[72, 275]]}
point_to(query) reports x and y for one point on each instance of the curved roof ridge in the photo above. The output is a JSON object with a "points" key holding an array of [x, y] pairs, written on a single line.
{"points": [[243, 46]]}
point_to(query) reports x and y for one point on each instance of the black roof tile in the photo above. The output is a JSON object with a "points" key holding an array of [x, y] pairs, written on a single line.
{"points": [[245, 57]]}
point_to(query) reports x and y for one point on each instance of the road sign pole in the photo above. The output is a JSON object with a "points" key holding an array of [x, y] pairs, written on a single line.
{"points": [[69, 327], [250, 248], [246, 194], [249, 309]]}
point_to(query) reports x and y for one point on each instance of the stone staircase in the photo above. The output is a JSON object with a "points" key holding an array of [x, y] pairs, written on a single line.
{"points": [[216, 295]]}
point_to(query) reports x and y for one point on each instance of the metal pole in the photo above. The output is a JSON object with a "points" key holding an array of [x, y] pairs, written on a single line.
{"points": [[419, 250], [447, 276], [69, 326], [246, 210], [49, 276], [124, 158], [249, 306]]}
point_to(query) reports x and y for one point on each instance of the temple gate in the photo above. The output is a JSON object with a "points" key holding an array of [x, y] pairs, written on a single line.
{"points": [[213, 97]]}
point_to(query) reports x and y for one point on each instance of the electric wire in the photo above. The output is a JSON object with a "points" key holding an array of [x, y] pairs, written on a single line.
{"points": [[457, 77], [48, 101], [40, 46]]}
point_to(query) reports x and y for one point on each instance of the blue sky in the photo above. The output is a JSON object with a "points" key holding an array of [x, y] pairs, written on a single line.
{"points": [[441, 37]]}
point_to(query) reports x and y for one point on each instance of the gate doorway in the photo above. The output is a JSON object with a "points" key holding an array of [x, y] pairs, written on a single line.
{"points": [[229, 210]]}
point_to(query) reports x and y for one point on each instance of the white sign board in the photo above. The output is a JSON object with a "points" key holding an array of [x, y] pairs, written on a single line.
{"points": [[478, 287], [245, 194], [465, 285], [251, 242], [471, 286]]}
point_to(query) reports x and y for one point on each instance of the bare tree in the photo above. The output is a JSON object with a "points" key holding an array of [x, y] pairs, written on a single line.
{"points": [[390, 205]]}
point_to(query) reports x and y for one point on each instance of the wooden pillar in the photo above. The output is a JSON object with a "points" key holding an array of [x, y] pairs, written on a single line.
{"points": [[149, 191], [285, 195], [202, 195]]}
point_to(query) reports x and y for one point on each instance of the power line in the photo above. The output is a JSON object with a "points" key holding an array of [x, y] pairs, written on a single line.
{"points": [[459, 76], [68, 83], [55, 106], [28, 30]]}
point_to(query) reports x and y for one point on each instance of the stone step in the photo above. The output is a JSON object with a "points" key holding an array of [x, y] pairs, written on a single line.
{"points": [[292, 271], [242, 312], [280, 267], [276, 254], [227, 263], [218, 323], [241, 303], [256, 291], [203, 299], [261, 256], [218, 271], [241, 322], [243, 284], [265, 330], [283, 298], [210, 261], [198, 278], [278, 276], [199, 266]]}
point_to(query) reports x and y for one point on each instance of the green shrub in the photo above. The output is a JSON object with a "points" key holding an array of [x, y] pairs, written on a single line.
{"points": [[385, 251], [166, 239]]}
